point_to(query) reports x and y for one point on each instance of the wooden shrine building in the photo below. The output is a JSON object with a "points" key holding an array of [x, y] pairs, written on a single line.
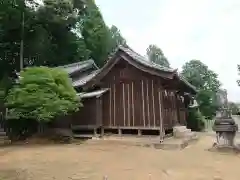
{"points": [[131, 93]]}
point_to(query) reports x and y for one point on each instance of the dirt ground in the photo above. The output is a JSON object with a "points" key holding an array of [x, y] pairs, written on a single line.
{"points": [[117, 162]]}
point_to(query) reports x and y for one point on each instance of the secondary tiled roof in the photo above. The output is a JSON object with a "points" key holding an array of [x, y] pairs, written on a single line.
{"points": [[84, 79], [79, 66]]}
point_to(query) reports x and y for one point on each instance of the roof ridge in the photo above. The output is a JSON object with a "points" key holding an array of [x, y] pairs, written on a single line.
{"points": [[144, 59], [138, 57]]}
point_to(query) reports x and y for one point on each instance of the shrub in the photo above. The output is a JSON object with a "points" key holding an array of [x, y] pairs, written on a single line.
{"points": [[195, 120], [41, 95]]}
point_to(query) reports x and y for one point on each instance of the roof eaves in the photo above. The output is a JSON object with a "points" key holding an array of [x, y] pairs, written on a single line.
{"points": [[137, 57], [182, 78], [90, 61], [83, 80], [74, 67], [145, 62], [96, 94]]}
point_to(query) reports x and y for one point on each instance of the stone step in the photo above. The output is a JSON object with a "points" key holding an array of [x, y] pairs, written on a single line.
{"points": [[2, 133], [5, 142], [3, 138], [181, 133], [179, 128]]}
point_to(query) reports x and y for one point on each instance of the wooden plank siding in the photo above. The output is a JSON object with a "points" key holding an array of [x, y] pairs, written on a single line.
{"points": [[90, 115], [138, 100]]}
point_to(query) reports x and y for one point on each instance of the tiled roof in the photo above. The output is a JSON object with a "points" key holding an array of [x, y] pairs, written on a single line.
{"points": [[83, 80], [82, 65], [144, 61]]}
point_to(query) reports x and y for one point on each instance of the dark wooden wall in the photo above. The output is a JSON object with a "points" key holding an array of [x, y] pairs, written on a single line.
{"points": [[138, 100], [88, 115]]}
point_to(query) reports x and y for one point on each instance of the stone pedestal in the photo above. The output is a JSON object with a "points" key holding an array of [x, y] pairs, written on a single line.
{"points": [[225, 138], [183, 132], [225, 128]]}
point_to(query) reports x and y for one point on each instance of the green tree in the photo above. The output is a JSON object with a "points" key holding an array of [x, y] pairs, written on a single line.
{"points": [[207, 105], [199, 75], [116, 38], [195, 120], [53, 41], [49, 37], [56, 32], [95, 33], [156, 55], [234, 108], [42, 94], [10, 34], [206, 81]]}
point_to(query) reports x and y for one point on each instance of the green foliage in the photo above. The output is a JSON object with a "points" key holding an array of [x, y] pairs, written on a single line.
{"points": [[52, 39], [116, 38], [234, 108], [195, 120], [156, 55], [95, 33], [206, 104], [48, 35], [207, 83], [56, 32], [199, 75], [42, 94]]}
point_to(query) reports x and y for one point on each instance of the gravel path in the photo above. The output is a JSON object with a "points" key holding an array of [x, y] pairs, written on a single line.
{"points": [[118, 162]]}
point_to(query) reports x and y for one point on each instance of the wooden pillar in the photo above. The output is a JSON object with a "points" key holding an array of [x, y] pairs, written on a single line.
{"points": [[120, 132], [114, 105], [139, 132], [128, 106], [99, 116], [161, 107], [102, 131], [148, 105], [133, 105], [110, 105], [178, 109], [161, 135], [143, 102], [95, 132], [99, 111], [124, 104]]}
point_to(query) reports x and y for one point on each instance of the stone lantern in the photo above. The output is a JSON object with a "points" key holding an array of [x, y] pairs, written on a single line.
{"points": [[225, 128], [224, 125]]}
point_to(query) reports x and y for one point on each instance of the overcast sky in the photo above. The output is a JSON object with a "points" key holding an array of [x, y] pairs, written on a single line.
{"points": [[208, 30]]}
